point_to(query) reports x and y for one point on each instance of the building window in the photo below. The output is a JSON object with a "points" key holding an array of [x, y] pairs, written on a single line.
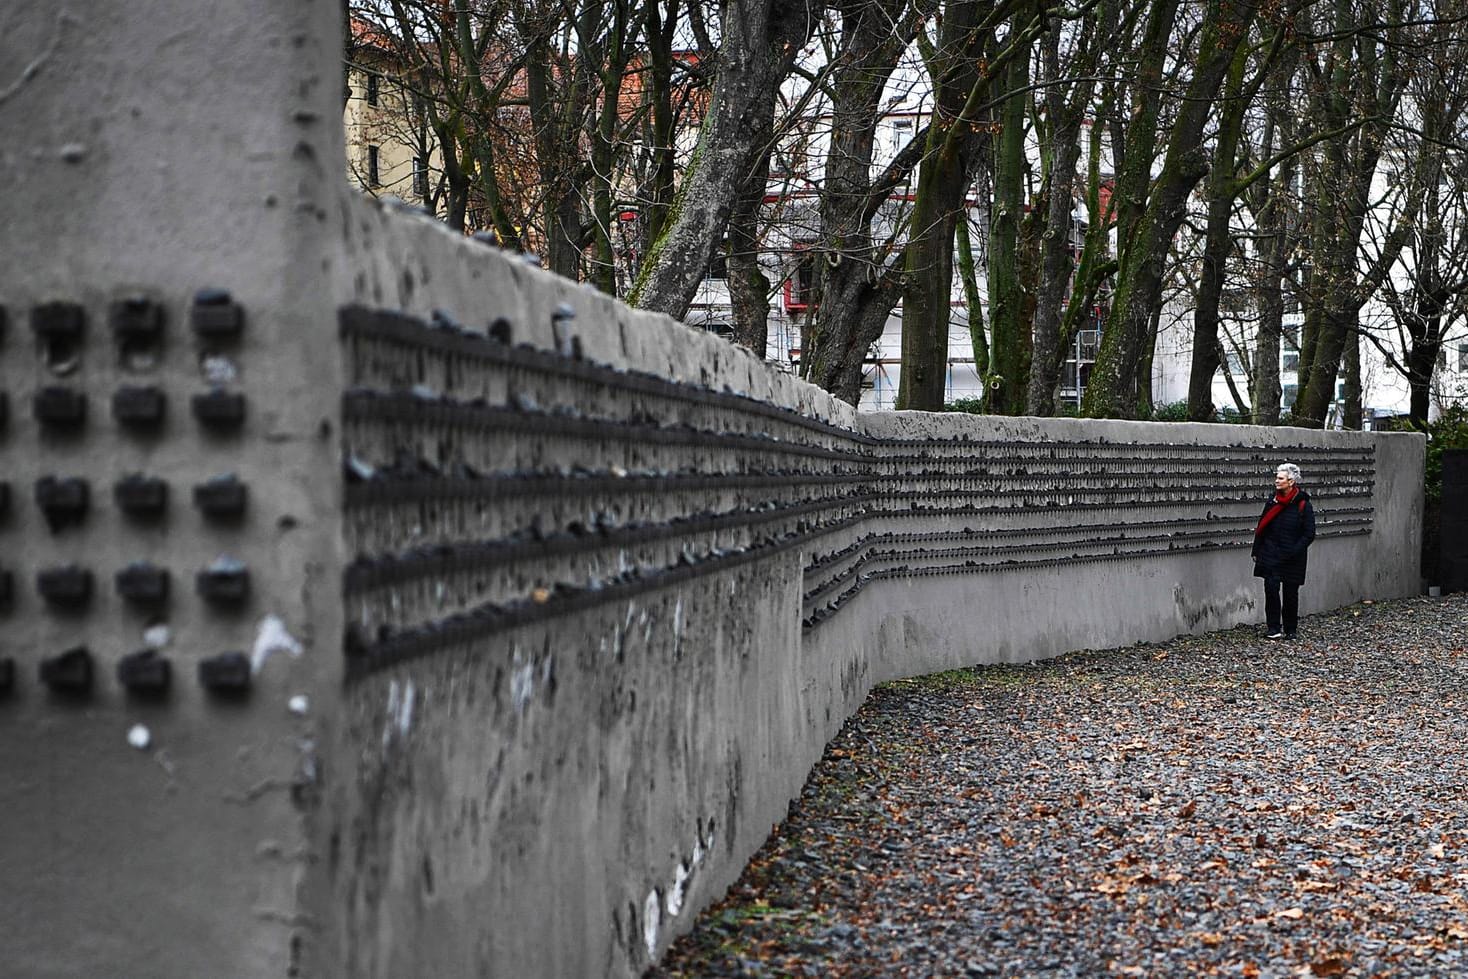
{"points": [[1287, 395], [420, 177], [800, 287], [374, 177], [902, 130], [1291, 360], [1089, 341], [372, 88], [1463, 356]]}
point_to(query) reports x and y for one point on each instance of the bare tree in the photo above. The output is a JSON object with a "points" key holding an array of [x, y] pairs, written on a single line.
{"points": [[1152, 208], [760, 40]]}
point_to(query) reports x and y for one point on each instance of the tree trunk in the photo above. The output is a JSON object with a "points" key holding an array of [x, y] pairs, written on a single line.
{"points": [[1351, 400], [1362, 75], [1009, 328], [603, 272], [854, 290], [1118, 387], [959, 89], [749, 289], [978, 341], [929, 285], [550, 110], [1270, 299], [1317, 384], [1217, 242], [1063, 153], [760, 41], [1421, 363], [660, 34]]}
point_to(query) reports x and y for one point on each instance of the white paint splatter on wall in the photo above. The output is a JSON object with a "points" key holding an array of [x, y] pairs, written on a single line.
{"points": [[400, 701], [650, 920], [674, 902], [392, 713], [522, 680], [139, 737], [405, 711], [272, 637]]}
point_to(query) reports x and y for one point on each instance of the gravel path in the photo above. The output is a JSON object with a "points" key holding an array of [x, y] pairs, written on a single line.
{"points": [[1214, 805]]}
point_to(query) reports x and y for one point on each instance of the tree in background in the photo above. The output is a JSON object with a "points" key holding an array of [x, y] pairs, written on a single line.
{"points": [[858, 260], [759, 42], [1152, 209], [1425, 291], [1076, 163]]}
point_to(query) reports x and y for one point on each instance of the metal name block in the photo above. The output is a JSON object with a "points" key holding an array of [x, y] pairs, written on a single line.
{"points": [[7, 590], [219, 410], [140, 496], [59, 321], [223, 497], [63, 500], [142, 583], [139, 407], [216, 316], [7, 675], [4, 498], [145, 673], [68, 586], [136, 319], [227, 674], [69, 672], [4, 409], [59, 407], [225, 582]]}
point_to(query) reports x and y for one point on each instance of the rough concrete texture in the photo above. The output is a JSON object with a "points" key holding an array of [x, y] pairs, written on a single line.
{"points": [[623, 615], [158, 149], [588, 603]]}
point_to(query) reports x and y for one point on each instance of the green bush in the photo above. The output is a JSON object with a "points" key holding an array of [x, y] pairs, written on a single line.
{"points": [[1449, 431], [1177, 411], [1173, 411], [1230, 415], [969, 406]]}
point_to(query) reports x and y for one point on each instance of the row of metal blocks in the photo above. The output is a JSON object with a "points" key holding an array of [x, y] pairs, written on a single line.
{"points": [[144, 675], [70, 587]]}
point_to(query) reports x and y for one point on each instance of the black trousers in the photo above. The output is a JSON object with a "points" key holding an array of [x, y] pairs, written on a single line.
{"points": [[1273, 605]]}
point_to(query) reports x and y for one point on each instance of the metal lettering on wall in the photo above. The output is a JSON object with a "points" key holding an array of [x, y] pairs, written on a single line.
{"points": [[491, 485], [94, 544]]}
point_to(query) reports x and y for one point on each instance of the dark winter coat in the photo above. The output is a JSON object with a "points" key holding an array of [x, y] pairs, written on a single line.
{"points": [[1281, 549]]}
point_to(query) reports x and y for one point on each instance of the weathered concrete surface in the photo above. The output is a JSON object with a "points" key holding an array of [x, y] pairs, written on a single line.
{"points": [[158, 149], [555, 798]]}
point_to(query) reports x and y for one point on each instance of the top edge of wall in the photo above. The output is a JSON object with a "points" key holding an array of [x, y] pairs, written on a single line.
{"points": [[398, 258]]}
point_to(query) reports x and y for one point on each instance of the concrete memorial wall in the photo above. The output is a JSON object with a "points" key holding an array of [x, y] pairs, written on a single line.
{"points": [[374, 604]]}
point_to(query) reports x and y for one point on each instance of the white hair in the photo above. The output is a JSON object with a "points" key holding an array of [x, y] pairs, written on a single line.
{"points": [[1289, 469]]}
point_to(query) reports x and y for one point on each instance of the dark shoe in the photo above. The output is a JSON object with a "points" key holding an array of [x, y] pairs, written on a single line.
{"points": [[1277, 635], [1289, 635]]}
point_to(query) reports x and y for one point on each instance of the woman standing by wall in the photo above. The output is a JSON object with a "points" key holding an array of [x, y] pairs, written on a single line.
{"points": [[1281, 549]]}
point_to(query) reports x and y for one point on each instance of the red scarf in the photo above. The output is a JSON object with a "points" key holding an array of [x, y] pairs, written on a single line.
{"points": [[1280, 502]]}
